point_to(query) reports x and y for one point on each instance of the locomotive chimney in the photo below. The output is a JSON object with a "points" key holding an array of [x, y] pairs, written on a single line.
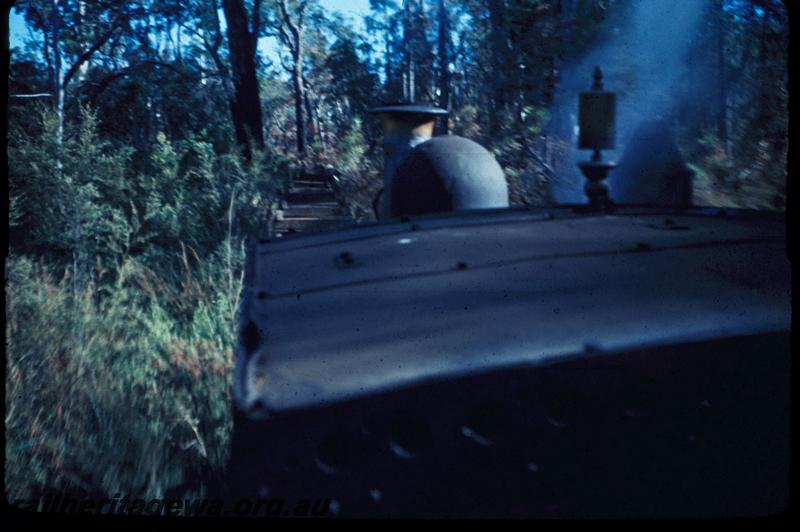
{"points": [[405, 126]]}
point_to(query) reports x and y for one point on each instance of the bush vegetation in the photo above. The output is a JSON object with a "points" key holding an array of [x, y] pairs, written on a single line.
{"points": [[122, 287]]}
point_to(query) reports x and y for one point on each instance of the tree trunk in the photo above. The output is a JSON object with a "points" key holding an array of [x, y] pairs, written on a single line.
{"points": [[294, 40], [58, 86], [408, 54], [395, 60], [500, 56], [246, 106], [299, 110], [388, 67], [213, 51], [311, 128], [444, 66], [313, 114], [425, 75], [722, 118]]}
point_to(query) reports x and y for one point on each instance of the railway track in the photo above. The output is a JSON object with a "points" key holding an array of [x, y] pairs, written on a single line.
{"points": [[310, 205]]}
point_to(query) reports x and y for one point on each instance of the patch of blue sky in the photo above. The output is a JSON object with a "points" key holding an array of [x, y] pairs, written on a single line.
{"points": [[18, 31], [352, 10]]}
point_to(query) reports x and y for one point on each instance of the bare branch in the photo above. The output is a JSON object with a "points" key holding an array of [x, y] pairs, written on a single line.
{"points": [[37, 95], [212, 49], [217, 30], [301, 11], [207, 45], [286, 67], [92, 49], [288, 20], [285, 38], [101, 86]]}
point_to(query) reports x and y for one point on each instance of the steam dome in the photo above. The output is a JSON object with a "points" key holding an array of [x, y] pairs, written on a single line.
{"points": [[448, 173]]}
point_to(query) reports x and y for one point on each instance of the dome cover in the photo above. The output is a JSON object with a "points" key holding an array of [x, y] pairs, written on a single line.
{"points": [[448, 173]]}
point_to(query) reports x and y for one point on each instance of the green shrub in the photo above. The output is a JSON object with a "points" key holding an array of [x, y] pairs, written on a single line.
{"points": [[360, 177], [113, 395], [752, 180]]}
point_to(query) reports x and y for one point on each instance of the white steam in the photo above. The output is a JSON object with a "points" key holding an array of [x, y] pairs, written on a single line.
{"points": [[644, 58]]}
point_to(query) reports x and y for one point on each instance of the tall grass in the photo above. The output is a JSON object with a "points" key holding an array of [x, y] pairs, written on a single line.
{"points": [[123, 389]]}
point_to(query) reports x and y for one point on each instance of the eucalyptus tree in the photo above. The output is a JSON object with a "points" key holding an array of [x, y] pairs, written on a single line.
{"points": [[288, 21], [73, 31], [243, 30]]}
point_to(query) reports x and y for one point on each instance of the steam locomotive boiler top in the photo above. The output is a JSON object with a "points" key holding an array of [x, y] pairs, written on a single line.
{"points": [[607, 359]]}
